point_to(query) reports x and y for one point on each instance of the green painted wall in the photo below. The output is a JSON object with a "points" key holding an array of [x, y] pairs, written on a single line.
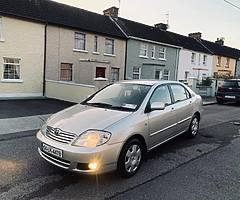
{"points": [[149, 65]]}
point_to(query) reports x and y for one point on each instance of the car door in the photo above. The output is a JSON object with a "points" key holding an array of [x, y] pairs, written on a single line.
{"points": [[182, 106], [161, 122]]}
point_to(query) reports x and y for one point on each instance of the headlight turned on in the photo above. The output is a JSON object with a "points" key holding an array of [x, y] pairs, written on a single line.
{"points": [[92, 139]]}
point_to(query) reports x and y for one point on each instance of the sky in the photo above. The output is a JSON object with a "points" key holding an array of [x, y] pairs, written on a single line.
{"points": [[213, 18]]}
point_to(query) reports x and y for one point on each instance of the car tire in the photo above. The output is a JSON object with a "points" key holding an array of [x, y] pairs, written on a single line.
{"points": [[194, 127], [130, 159], [220, 101]]}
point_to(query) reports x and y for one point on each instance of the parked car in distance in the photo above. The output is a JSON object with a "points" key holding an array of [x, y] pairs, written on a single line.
{"points": [[114, 128], [229, 91]]}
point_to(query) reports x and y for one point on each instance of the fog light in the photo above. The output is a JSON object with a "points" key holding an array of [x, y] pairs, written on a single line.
{"points": [[93, 166]]}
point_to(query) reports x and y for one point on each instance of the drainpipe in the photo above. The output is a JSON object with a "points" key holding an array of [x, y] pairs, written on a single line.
{"points": [[45, 59], [125, 67]]}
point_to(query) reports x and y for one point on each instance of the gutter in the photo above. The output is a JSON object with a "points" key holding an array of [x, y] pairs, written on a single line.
{"points": [[154, 42], [45, 60]]}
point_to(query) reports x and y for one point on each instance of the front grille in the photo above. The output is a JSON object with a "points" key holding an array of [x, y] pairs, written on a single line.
{"points": [[55, 160], [59, 135]]}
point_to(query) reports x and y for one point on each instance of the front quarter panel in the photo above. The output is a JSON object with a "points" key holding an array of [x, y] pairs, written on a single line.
{"points": [[135, 124]]}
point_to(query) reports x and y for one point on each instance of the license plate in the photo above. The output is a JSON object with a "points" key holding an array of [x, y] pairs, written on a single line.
{"points": [[230, 97], [51, 150]]}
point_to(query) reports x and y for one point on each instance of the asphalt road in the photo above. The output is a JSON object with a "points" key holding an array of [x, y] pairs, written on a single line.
{"points": [[206, 167]]}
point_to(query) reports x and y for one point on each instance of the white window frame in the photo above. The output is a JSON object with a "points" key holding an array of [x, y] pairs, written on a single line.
{"points": [[95, 45], [13, 64], [193, 58], [153, 52], [168, 75], [84, 40], [112, 53], [143, 52], [205, 58], [137, 73], [1, 30], [162, 53]]}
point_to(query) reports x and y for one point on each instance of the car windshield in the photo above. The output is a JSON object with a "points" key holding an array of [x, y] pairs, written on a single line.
{"points": [[231, 84], [120, 96]]}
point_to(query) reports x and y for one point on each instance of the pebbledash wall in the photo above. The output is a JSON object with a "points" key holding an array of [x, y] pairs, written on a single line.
{"points": [[60, 49], [24, 41]]}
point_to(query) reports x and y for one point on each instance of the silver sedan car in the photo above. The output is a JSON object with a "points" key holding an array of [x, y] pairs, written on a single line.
{"points": [[114, 128]]}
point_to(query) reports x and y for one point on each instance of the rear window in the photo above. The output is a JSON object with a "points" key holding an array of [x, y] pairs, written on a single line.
{"points": [[231, 84]]}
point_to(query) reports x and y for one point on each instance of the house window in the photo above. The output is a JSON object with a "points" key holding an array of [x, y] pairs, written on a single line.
{"points": [[158, 74], [114, 74], [66, 72], [166, 75], [227, 63], [11, 68], [193, 58], [136, 72], [218, 60], [100, 72], [95, 49], [109, 46], [162, 53], [80, 41], [205, 60], [143, 50], [1, 28], [152, 52]]}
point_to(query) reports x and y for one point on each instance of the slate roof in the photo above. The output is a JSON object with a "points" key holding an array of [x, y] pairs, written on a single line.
{"points": [[51, 12], [147, 32], [217, 49]]}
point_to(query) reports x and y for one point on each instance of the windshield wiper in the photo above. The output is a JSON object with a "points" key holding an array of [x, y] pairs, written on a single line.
{"points": [[122, 108], [103, 105]]}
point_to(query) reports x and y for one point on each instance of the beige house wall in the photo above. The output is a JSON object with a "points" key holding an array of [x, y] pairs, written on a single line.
{"points": [[222, 69], [68, 91], [60, 49], [23, 40]]}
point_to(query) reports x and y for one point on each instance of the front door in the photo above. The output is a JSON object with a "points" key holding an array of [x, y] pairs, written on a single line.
{"points": [[161, 122]]}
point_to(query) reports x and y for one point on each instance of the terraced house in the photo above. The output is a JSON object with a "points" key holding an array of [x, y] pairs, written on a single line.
{"points": [[151, 51], [21, 51], [59, 49]]}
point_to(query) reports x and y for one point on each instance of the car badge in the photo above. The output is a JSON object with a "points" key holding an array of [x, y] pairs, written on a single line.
{"points": [[57, 132]]}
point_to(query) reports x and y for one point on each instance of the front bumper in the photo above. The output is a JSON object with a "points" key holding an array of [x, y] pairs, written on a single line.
{"points": [[77, 158]]}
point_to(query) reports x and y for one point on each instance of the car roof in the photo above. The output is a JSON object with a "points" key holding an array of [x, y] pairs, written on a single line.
{"points": [[148, 82], [229, 80]]}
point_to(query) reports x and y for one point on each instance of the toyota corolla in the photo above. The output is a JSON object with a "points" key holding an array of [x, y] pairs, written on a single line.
{"points": [[114, 128]]}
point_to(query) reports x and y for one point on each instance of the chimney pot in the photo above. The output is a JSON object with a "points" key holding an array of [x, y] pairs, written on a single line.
{"points": [[112, 12], [220, 41], [197, 35], [162, 26]]}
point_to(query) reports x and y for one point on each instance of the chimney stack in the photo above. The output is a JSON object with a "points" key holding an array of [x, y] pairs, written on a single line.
{"points": [[197, 36], [111, 12], [220, 41], [162, 26]]}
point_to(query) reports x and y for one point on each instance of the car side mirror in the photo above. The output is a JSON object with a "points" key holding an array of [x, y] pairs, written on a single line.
{"points": [[158, 106]]}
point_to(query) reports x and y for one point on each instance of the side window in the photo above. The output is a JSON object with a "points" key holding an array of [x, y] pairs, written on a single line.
{"points": [[179, 93], [161, 94]]}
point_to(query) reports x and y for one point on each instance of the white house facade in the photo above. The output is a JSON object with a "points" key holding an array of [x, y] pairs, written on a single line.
{"points": [[194, 64]]}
